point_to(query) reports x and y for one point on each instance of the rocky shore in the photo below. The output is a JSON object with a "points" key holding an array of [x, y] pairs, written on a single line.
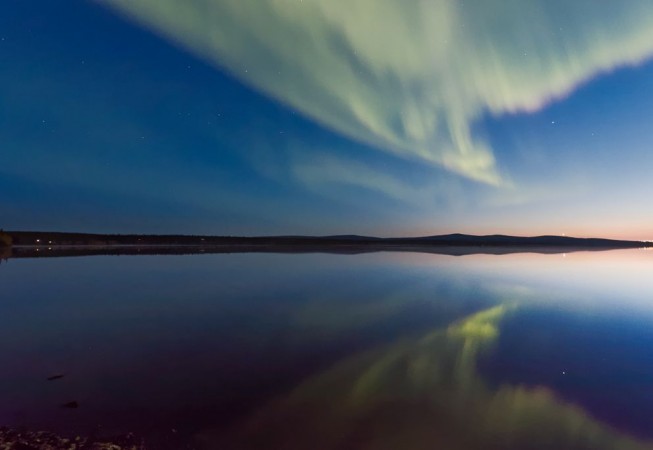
{"points": [[18, 439]]}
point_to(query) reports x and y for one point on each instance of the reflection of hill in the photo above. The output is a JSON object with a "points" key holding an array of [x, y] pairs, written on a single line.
{"points": [[40, 244], [340, 249], [424, 394]]}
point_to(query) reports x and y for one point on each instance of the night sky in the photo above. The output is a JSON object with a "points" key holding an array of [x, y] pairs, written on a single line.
{"points": [[377, 117]]}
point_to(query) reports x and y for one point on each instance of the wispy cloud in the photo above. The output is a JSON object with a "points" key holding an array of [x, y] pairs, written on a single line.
{"points": [[410, 77]]}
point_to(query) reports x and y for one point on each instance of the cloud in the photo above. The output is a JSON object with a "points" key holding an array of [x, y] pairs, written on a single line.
{"points": [[410, 77]]}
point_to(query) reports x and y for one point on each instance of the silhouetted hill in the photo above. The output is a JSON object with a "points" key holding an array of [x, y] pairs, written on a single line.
{"points": [[503, 240], [352, 237], [49, 239], [42, 243]]}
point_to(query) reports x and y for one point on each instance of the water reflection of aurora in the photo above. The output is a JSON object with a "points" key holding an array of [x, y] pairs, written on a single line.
{"points": [[423, 394]]}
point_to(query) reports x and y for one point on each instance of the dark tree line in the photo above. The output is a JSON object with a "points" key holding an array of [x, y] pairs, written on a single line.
{"points": [[5, 239]]}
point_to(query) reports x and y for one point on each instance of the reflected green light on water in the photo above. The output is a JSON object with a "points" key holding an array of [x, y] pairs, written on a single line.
{"points": [[381, 351], [423, 394]]}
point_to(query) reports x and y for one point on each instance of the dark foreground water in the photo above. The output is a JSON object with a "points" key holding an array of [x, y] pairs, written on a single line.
{"points": [[376, 351]]}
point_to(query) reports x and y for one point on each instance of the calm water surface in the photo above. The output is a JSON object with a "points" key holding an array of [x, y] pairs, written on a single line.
{"points": [[313, 351]]}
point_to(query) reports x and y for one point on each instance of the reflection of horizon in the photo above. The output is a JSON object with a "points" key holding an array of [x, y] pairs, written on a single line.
{"points": [[422, 394], [5, 254], [32, 251]]}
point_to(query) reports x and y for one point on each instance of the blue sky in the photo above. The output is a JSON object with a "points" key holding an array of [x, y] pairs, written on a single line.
{"points": [[327, 117]]}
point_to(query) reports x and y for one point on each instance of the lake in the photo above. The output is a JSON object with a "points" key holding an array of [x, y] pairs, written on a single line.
{"points": [[321, 351]]}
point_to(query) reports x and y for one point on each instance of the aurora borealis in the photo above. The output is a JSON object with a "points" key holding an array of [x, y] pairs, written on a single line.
{"points": [[327, 116]]}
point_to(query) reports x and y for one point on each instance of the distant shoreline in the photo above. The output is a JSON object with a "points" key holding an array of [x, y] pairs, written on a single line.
{"points": [[51, 244]]}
